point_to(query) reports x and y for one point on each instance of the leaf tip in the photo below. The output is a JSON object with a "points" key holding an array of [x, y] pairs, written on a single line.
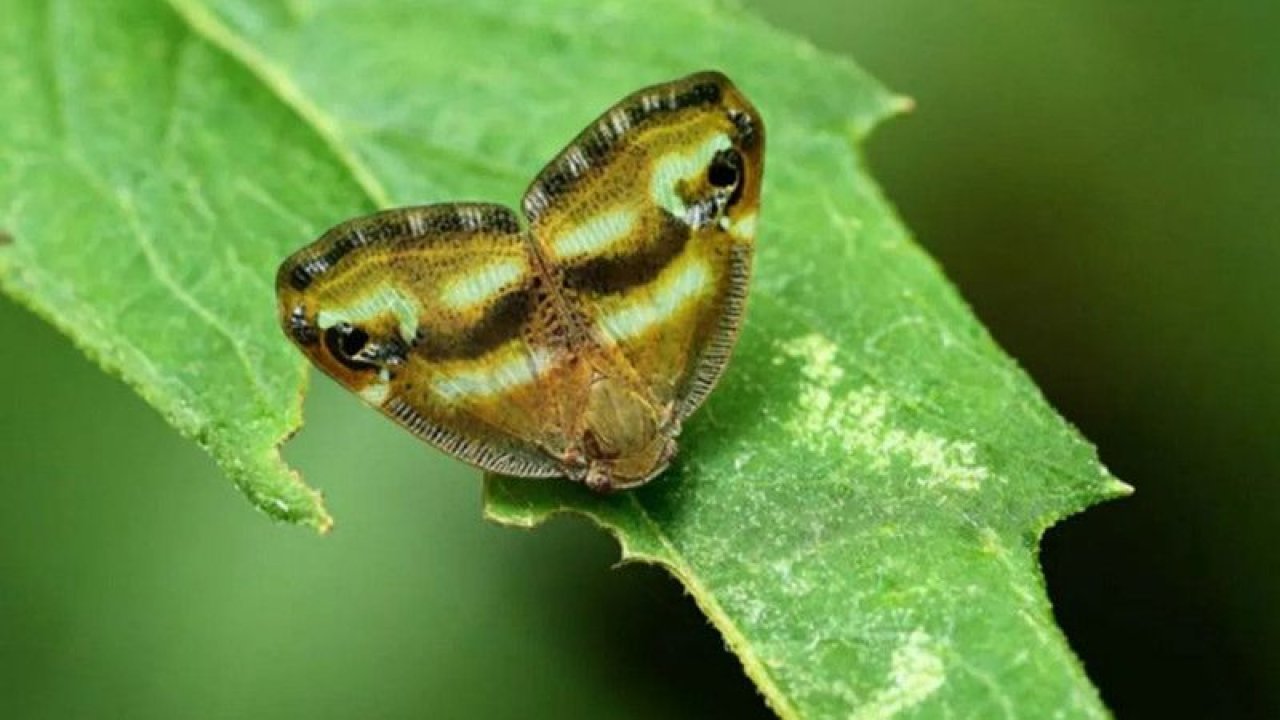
{"points": [[275, 488], [1113, 487], [1116, 488], [300, 504]]}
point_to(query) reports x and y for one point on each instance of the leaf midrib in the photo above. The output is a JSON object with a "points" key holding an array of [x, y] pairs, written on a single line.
{"points": [[204, 24]]}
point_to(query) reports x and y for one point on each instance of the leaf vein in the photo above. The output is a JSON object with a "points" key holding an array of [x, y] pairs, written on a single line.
{"points": [[206, 25]]}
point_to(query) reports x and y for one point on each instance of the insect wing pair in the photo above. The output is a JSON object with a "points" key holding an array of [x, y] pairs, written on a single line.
{"points": [[573, 342]]}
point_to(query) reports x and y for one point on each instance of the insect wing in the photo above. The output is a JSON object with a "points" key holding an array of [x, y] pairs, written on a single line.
{"points": [[430, 314], [649, 219]]}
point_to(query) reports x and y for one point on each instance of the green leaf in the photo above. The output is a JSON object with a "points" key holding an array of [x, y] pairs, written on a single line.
{"points": [[858, 506]]}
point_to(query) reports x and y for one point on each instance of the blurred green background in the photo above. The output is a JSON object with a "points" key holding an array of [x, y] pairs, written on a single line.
{"points": [[1100, 180]]}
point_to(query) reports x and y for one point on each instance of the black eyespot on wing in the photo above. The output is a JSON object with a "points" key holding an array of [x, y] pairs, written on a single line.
{"points": [[344, 342], [353, 341], [725, 172], [722, 174]]}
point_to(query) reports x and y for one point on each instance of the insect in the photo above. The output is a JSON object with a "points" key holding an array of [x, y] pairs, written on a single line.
{"points": [[573, 341]]}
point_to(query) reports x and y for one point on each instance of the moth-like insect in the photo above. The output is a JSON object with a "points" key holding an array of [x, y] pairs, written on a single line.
{"points": [[575, 341]]}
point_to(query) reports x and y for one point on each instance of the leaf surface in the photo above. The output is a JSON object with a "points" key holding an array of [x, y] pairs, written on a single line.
{"points": [[857, 508]]}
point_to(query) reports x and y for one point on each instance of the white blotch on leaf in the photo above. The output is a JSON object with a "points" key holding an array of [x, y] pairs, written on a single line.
{"points": [[861, 421], [915, 672]]}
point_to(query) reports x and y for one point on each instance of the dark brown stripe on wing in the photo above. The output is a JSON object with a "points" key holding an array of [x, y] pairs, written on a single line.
{"points": [[502, 322], [610, 274]]}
